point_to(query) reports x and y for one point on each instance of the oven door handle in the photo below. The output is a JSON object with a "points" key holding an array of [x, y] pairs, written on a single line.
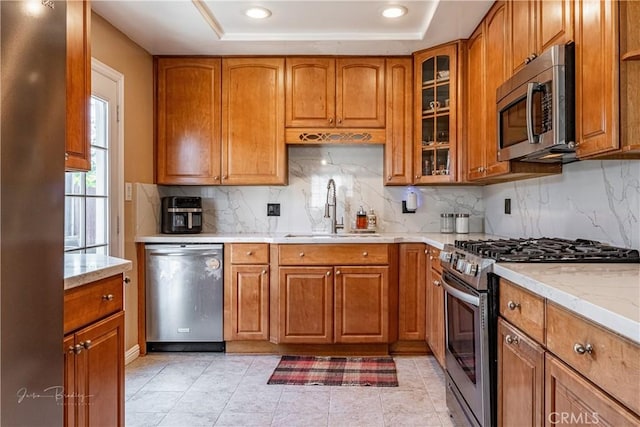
{"points": [[470, 299]]}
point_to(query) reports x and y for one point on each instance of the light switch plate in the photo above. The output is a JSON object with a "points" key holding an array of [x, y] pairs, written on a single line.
{"points": [[128, 191]]}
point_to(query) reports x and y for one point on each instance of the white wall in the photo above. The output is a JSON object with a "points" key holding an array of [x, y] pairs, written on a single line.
{"points": [[598, 200]]}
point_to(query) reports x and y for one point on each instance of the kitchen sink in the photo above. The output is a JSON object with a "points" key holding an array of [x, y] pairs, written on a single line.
{"points": [[331, 236]]}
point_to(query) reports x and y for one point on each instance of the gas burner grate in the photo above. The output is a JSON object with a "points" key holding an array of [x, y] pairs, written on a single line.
{"points": [[548, 250]]}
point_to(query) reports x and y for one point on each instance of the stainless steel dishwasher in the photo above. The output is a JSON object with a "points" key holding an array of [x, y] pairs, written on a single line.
{"points": [[184, 293]]}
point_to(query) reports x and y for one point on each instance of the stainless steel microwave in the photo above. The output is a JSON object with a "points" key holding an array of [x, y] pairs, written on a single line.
{"points": [[536, 110]]}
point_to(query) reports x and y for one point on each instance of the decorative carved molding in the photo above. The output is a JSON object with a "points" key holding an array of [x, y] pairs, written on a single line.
{"points": [[335, 137], [338, 136]]}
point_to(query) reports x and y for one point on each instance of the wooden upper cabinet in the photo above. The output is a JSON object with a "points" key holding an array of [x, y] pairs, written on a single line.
{"points": [[77, 141], [535, 26], [398, 150], [522, 29], [335, 92], [497, 72], [436, 115], [597, 77], [476, 105], [554, 24], [188, 121], [253, 146], [360, 92], [310, 92]]}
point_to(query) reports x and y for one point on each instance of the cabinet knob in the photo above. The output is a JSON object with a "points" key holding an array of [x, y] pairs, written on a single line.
{"points": [[249, 253], [224, 176], [338, 272], [108, 297], [365, 253], [436, 282], [301, 254], [426, 251], [417, 176], [215, 178], [513, 305], [264, 271], [388, 177], [582, 349], [330, 119], [127, 279], [86, 344], [77, 349], [66, 156], [328, 273], [511, 339], [339, 121]]}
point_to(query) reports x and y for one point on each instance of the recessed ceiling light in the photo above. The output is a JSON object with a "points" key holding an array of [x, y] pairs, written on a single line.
{"points": [[394, 11], [258, 13]]}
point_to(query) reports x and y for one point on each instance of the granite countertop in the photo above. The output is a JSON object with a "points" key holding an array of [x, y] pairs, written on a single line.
{"points": [[80, 269], [608, 294], [437, 240]]}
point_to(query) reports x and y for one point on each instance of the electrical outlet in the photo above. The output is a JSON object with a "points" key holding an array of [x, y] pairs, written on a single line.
{"points": [[273, 209], [128, 192], [507, 206]]}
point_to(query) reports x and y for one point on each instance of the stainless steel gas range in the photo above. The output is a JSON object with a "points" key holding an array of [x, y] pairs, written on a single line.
{"points": [[471, 311]]}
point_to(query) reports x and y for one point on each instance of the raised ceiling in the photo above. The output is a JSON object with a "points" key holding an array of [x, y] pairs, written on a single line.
{"points": [[207, 27]]}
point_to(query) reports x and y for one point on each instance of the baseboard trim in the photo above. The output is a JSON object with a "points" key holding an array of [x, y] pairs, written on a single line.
{"points": [[131, 354]]}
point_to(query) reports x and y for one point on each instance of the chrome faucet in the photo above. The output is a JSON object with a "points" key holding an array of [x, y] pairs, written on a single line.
{"points": [[330, 207]]}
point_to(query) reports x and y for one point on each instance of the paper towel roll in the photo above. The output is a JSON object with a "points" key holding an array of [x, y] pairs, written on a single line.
{"points": [[412, 201]]}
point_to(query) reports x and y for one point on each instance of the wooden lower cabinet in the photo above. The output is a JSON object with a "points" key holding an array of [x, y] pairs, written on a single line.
{"points": [[248, 311], [411, 292], [305, 312], [94, 374], [361, 305], [570, 399], [520, 378], [93, 349]]}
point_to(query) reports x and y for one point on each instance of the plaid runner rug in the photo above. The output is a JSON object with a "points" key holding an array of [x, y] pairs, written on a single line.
{"points": [[354, 371]]}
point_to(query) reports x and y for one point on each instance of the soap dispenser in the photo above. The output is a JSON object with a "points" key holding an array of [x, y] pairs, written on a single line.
{"points": [[361, 219]]}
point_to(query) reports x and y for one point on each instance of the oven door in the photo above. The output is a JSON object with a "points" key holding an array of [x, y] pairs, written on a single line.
{"points": [[467, 346]]}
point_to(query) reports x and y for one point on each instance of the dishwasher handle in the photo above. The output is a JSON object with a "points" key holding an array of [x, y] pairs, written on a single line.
{"points": [[190, 254]]}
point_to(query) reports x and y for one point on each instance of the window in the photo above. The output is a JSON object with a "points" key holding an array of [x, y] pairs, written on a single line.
{"points": [[86, 228]]}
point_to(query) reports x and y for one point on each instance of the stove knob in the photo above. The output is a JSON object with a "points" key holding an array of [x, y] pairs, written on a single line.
{"points": [[471, 269], [445, 256], [461, 265]]}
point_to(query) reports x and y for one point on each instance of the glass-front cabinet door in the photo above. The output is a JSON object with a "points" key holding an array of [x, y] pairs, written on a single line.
{"points": [[436, 130]]}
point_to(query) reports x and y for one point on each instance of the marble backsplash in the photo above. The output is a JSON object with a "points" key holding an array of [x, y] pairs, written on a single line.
{"points": [[598, 200], [358, 173]]}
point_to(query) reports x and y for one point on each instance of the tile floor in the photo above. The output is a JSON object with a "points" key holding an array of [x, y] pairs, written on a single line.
{"points": [[207, 389]]}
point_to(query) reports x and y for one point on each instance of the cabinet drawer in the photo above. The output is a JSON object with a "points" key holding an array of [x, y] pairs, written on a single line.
{"points": [[249, 253], [86, 304], [613, 363], [434, 258], [321, 254], [522, 309]]}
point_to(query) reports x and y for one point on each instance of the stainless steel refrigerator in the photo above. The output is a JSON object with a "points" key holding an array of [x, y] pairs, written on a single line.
{"points": [[32, 134]]}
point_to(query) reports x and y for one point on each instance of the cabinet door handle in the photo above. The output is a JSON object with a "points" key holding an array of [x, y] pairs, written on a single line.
{"points": [[86, 344], [77, 349], [417, 176], [330, 119], [388, 177], [365, 254], [582, 349], [426, 251], [338, 272], [264, 272], [224, 176], [127, 279], [339, 121], [249, 253], [66, 156], [108, 297], [436, 282], [215, 178], [328, 273], [301, 254], [513, 305], [511, 339]]}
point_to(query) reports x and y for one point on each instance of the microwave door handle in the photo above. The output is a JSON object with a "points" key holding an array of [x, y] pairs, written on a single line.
{"points": [[469, 299], [533, 138]]}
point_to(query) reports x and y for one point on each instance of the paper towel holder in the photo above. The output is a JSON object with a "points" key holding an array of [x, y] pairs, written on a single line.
{"points": [[410, 205]]}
